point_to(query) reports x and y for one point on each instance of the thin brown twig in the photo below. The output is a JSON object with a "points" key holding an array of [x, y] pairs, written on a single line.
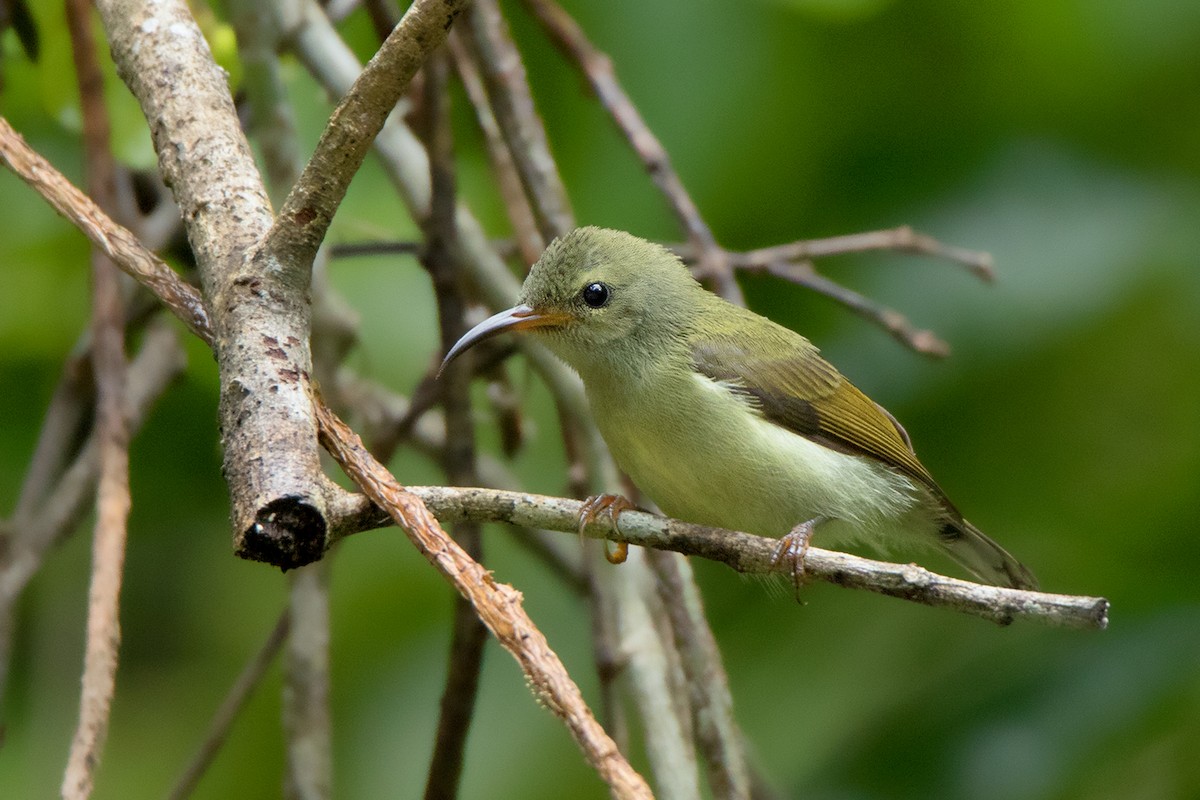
{"points": [[117, 242], [598, 69], [112, 434], [902, 239], [498, 605], [230, 709], [468, 634], [922, 341], [516, 204], [512, 104]]}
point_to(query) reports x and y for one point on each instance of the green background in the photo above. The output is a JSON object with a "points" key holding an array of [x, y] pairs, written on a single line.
{"points": [[1062, 137]]}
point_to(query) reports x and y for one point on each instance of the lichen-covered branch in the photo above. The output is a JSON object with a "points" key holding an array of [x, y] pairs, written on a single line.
{"points": [[752, 555]]}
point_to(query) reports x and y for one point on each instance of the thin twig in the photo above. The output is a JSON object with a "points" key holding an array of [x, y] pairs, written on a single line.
{"points": [[112, 434], [922, 341], [516, 204], [497, 604], [512, 105], [63, 430], [902, 239], [309, 207], [468, 633], [755, 555], [707, 684], [356, 249], [230, 708], [598, 69], [118, 243]]}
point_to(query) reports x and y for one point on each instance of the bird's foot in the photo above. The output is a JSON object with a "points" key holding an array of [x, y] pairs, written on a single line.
{"points": [[611, 506], [793, 548]]}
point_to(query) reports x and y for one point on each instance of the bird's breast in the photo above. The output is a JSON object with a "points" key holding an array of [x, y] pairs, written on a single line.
{"points": [[703, 453]]}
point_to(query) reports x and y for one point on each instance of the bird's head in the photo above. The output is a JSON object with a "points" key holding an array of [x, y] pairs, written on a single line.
{"points": [[596, 297]]}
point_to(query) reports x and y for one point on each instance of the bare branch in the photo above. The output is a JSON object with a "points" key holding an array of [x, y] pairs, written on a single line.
{"points": [[112, 434], [306, 687], [903, 239], [309, 208], [597, 67], [498, 605], [512, 104], [922, 341], [756, 555], [709, 697], [508, 180], [222, 721]]}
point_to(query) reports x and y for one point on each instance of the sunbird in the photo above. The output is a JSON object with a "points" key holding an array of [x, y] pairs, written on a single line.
{"points": [[725, 418]]}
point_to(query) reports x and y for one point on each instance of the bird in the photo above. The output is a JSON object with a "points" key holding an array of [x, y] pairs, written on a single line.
{"points": [[725, 418]]}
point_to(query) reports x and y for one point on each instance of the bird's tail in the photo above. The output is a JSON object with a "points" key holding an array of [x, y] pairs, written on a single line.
{"points": [[983, 558]]}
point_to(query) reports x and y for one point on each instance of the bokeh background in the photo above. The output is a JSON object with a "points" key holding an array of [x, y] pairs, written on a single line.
{"points": [[1062, 137]]}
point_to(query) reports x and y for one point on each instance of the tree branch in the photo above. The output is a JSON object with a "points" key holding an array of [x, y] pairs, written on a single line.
{"points": [[512, 105], [498, 605], [260, 310], [598, 69], [109, 369], [235, 700], [752, 555]]}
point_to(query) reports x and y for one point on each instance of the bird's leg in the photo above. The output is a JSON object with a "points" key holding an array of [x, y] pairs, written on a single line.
{"points": [[793, 547], [611, 506]]}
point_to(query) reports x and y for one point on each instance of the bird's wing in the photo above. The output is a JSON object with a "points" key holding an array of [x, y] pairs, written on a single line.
{"points": [[792, 386]]}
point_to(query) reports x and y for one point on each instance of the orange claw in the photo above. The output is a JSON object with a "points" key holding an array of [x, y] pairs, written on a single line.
{"points": [[611, 506], [794, 547]]}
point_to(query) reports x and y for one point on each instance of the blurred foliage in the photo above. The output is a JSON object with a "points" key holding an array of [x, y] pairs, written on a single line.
{"points": [[1064, 138]]}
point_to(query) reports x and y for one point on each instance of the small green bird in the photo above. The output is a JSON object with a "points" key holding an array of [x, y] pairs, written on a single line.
{"points": [[723, 417]]}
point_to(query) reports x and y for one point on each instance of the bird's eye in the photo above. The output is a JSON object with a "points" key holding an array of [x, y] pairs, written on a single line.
{"points": [[595, 294]]}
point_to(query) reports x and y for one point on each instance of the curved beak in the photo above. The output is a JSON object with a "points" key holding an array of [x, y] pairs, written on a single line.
{"points": [[517, 318]]}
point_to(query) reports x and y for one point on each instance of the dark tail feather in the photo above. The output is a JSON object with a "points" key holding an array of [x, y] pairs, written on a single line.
{"points": [[989, 562]]}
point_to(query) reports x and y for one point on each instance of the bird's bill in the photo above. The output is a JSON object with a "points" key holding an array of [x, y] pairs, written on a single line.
{"points": [[517, 318]]}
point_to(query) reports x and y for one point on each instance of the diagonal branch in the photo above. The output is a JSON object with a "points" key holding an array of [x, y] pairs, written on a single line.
{"points": [[512, 104], [310, 206], [598, 69], [498, 605]]}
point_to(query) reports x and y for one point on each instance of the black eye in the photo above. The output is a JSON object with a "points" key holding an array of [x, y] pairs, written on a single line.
{"points": [[595, 294]]}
